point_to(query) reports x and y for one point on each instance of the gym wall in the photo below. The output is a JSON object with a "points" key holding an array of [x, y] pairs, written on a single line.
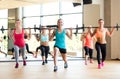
{"points": [[91, 16]]}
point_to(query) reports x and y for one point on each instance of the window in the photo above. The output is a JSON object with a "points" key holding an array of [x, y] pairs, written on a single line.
{"points": [[49, 13], [49, 20], [4, 23], [33, 10], [72, 20], [50, 8], [31, 22], [67, 7]]}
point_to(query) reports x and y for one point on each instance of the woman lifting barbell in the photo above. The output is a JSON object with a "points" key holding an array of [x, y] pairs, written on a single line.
{"points": [[88, 45], [44, 45], [100, 33], [19, 44]]}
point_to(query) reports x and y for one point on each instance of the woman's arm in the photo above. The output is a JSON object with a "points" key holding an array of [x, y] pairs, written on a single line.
{"points": [[28, 34], [51, 36], [37, 36], [83, 36], [69, 34], [109, 33], [10, 34]]}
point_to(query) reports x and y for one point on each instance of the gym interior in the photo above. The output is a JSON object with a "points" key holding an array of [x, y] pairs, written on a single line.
{"points": [[75, 13]]}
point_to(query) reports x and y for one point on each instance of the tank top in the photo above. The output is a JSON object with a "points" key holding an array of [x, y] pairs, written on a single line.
{"points": [[88, 41], [44, 38], [19, 39], [60, 39]]}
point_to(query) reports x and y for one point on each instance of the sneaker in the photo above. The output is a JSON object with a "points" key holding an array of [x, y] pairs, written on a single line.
{"points": [[91, 60], [85, 62], [46, 61], [24, 63], [99, 66], [16, 66], [65, 65], [35, 56], [43, 63], [55, 68], [102, 64]]}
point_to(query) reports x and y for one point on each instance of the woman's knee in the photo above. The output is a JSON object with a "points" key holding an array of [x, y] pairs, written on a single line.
{"points": [[16, 48], [56, 50]]}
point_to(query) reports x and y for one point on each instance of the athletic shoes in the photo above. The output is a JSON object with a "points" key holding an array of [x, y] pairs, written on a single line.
{"points": [[85, 62], [91, 60], [43, 63], [46, 61], [65, 65], [17, 65], [99, 66], [102, 64], [24, 63], [35, 56], [55, 68]]}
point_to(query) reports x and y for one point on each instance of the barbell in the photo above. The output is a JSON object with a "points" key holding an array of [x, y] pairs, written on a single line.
{"points": [[34, 28], [78, 28], [55, 26], [2, 29]]}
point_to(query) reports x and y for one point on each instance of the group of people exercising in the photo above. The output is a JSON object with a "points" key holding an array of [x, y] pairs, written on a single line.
{"points": [[18, 35], [99, 36]]}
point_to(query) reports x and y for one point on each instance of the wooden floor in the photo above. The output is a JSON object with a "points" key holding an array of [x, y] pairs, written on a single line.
{"points": [[76, 70]]}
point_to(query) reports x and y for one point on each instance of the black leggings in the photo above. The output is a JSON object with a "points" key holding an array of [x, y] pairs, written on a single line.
{"points": [[27, 48], [88, 51], [44, 50], [100, 48]]}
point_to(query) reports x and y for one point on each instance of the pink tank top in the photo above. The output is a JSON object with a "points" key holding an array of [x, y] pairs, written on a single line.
{"points": [[88, 41], [19, 39]]}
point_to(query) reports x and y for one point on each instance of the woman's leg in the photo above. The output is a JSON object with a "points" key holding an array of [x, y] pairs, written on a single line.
{"points": [[103, 52], [3, 52], [37, 51], [56, 50], [13, 53], [16, 49], [98, 49], [42, 48], [23, 55], [47, 49], [27, 48], [86, 54], [91, 55], [64, 57]]}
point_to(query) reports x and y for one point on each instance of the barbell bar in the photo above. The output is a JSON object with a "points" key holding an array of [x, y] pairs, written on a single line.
{"points": [[55, 26]]}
